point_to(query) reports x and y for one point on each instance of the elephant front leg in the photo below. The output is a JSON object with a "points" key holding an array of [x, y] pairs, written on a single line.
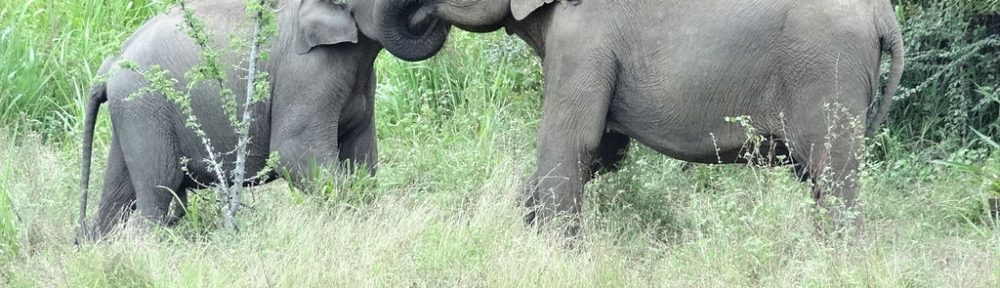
{"points": [[307, 160], [834, 173], [577, 95], [118, 197], [555, 191], [359, 149]]}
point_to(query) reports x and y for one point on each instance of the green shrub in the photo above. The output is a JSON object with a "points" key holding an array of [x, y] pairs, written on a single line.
{"points": [[952, 81]]}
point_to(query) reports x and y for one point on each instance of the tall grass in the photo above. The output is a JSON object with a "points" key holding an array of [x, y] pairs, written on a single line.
{"points": [[463, 102], [49, 52], [649, 225], [8, 218]]}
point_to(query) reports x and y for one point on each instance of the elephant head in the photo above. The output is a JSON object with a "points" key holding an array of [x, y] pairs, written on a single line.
{"points": [[470, 15], [410, 32]]}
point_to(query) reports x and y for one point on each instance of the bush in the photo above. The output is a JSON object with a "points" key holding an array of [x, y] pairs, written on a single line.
{"points": [[952, 81]]}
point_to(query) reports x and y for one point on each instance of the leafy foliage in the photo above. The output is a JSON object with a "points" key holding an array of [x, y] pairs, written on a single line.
{"points": [[952, 82]]}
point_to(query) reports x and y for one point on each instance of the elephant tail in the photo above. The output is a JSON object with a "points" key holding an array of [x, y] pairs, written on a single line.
{"points": [[98, 95], [891, 40]]}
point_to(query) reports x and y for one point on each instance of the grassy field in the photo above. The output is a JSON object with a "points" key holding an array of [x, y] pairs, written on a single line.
{"points": [[457, 137]]}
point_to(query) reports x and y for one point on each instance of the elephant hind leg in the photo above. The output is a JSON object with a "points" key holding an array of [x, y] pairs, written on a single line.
{"points": [[118, 196], [152, 155], [180, 203], [833, 171], [800, 172], [610, 152], [156, 190]]}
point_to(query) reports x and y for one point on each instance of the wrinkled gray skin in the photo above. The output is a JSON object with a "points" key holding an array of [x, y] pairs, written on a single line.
{"points": [[320, 113], [667, 73]]}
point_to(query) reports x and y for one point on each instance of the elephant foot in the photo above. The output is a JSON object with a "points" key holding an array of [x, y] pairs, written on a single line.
{"points": [[538, 219]]}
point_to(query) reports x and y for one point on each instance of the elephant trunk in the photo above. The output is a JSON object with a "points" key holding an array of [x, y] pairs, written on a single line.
{"points": [[409, 29]]}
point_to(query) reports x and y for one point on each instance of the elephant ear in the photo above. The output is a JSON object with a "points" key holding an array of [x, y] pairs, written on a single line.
{"points": [[324, 22], [522, 8]]}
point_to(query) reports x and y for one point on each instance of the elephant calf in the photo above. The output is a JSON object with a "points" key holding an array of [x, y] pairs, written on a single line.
{"points": [[668, 73], [320, 113]]}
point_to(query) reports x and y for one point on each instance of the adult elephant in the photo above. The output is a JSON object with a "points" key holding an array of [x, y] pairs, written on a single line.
{"points": [[320, 113], [668, 73]]}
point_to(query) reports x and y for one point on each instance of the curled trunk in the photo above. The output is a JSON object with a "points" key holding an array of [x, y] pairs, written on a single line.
{"points": [[414, 30], [409, 29]]}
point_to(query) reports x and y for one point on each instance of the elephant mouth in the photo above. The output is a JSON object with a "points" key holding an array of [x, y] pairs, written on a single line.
{"points": [[423, 22]]}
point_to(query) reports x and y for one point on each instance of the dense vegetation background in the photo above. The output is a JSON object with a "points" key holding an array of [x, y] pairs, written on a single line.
{"points": [[457, 136]]}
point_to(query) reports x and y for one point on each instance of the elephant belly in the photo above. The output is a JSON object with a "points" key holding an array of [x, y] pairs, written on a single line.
{"points": [[708, 138], [680, 82], [681, 85], [695, 118]]}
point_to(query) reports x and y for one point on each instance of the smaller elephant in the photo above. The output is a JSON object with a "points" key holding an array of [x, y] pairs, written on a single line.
{"points": [[320, 113]]}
